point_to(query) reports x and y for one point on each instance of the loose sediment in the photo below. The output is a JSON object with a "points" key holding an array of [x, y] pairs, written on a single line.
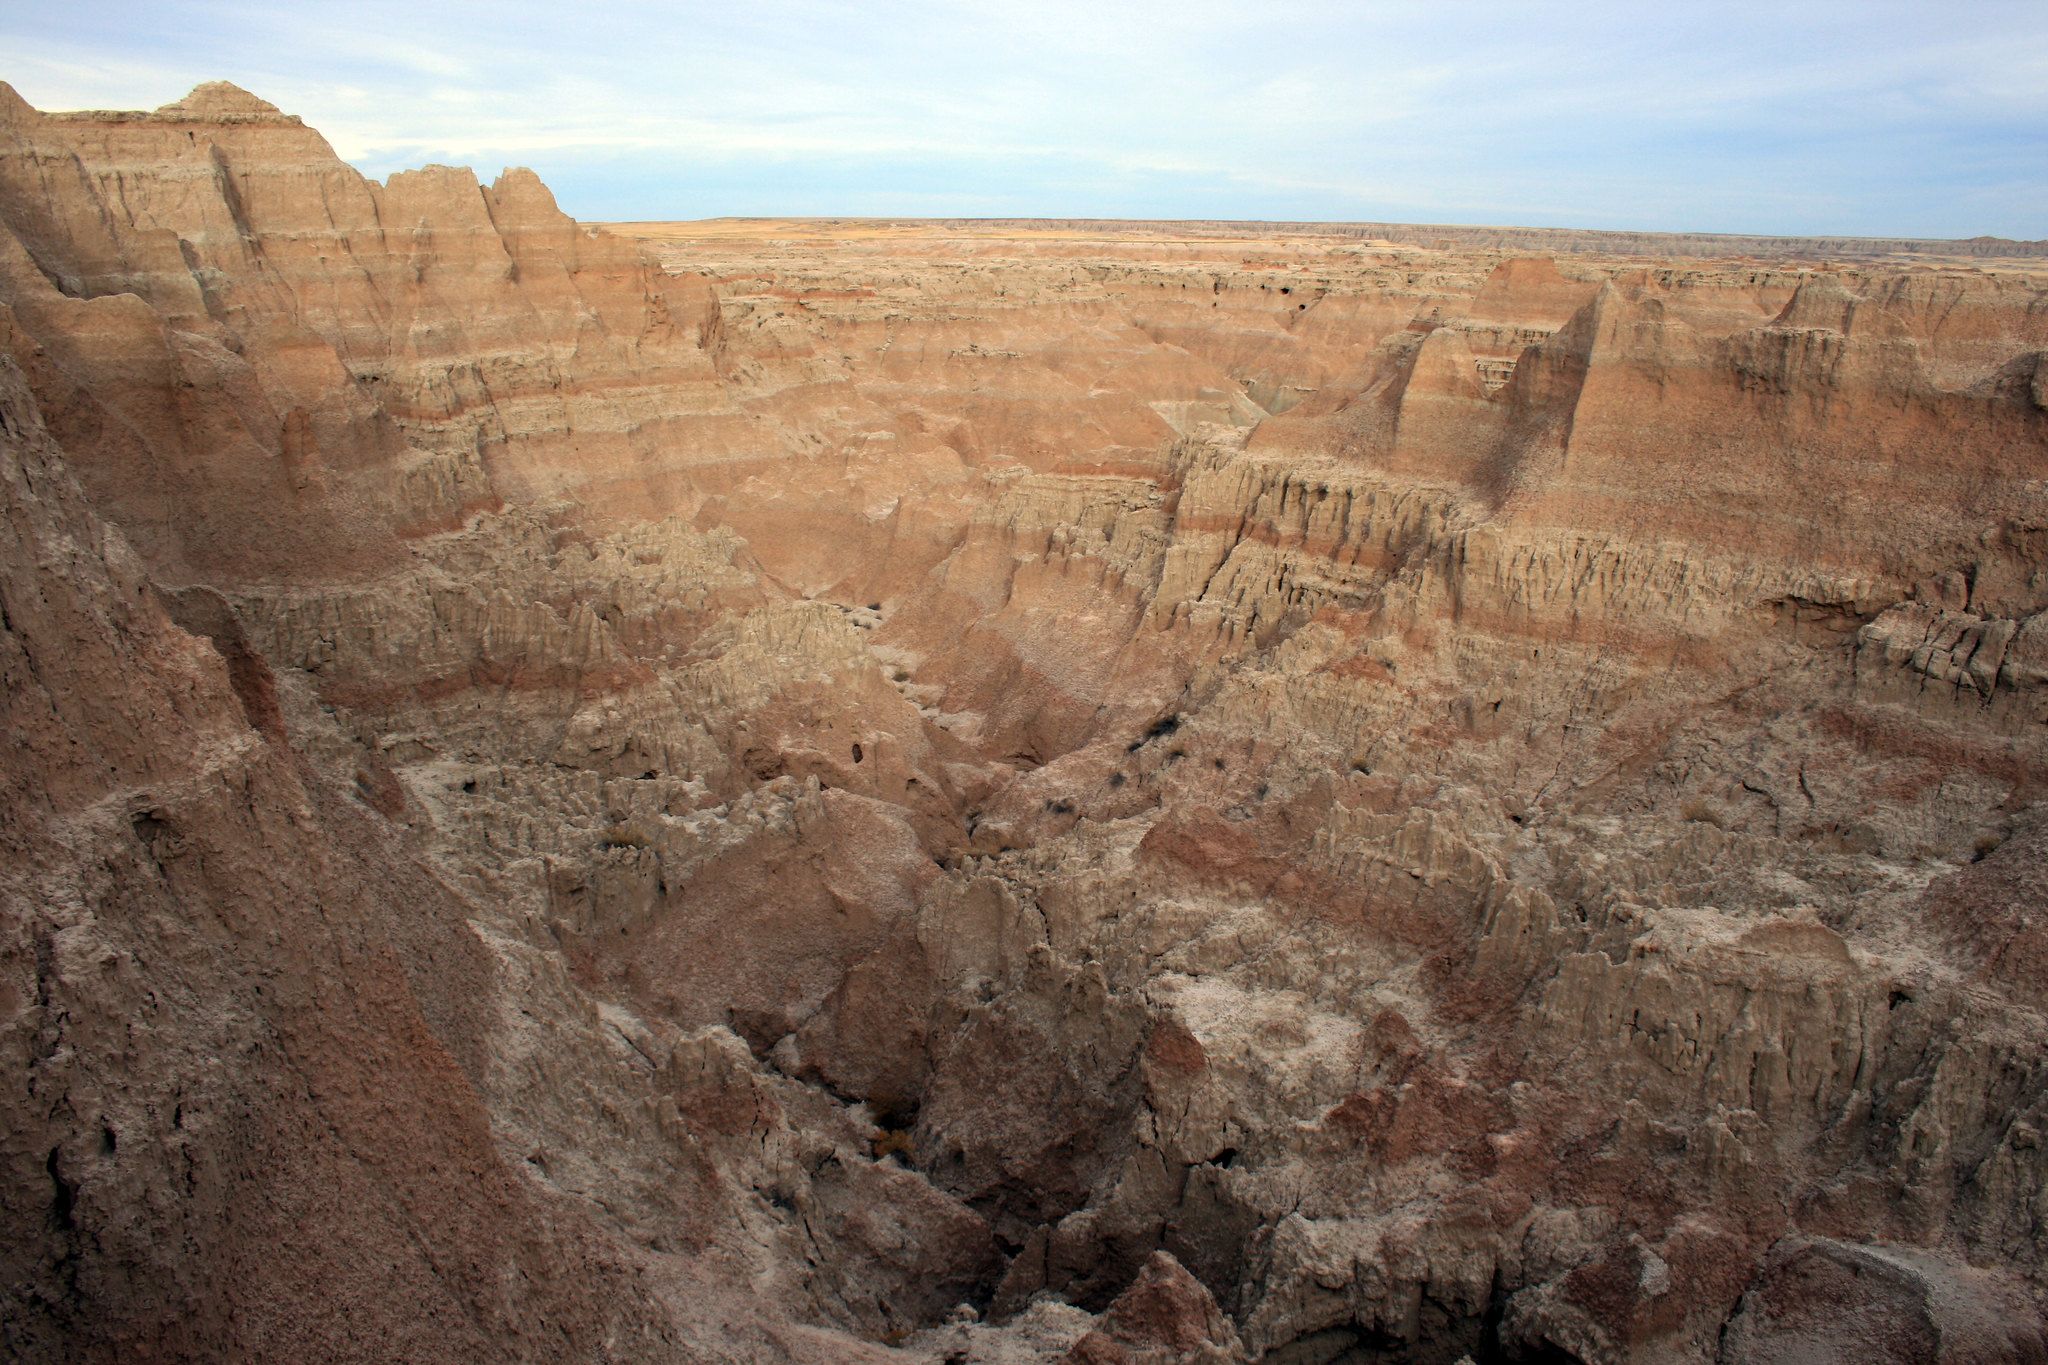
{"points": [[1001, 791]]}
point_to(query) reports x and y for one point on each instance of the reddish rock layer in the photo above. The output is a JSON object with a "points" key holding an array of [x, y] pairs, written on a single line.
{"points": [[999, 793]]}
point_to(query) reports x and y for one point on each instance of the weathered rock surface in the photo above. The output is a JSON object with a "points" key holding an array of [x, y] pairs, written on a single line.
{"points": [[1001, 792]]}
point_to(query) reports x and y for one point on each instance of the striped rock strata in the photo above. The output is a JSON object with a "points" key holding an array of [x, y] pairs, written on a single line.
{"points": [[999, 793]]}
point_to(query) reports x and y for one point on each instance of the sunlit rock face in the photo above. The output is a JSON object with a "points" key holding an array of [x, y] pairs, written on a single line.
{"points": [[1002, 792]]}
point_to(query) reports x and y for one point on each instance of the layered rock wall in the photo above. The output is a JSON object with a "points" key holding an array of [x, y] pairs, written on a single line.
{"points": [[999, 794]]}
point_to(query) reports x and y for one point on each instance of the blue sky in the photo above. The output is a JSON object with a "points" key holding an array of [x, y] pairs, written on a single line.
{"points": [[1927, 119]]}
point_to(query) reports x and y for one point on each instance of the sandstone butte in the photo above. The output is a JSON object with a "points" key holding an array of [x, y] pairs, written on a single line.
{"points": [[1000, 792]]}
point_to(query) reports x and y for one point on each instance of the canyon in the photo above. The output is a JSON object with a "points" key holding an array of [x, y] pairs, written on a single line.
{"points": [[998, 791]]}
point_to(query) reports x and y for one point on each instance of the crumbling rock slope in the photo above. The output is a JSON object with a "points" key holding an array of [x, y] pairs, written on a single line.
{"points": [[1000, 792]]}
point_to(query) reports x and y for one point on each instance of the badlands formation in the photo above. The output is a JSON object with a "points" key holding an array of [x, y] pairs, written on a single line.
{"points": [[1004, 792]]}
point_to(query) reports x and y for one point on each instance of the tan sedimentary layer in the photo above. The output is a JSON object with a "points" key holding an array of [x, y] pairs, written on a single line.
{"points": [[1001, 791]]}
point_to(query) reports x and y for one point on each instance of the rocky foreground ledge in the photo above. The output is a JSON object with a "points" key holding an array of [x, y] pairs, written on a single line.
{"points": [[1000, 793]]}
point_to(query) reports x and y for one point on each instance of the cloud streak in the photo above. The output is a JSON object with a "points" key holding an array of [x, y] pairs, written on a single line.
{"points": [[1870, 117]]}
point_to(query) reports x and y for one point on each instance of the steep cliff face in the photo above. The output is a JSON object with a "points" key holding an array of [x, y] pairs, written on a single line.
{"points": [[327, 365], [997, 794]]}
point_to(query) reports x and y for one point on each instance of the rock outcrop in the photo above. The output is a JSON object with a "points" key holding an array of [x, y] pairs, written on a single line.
{"points": [[1000, 793]]}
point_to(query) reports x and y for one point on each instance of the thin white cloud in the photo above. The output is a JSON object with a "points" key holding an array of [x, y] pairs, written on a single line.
{"points": [[1871, 115]]}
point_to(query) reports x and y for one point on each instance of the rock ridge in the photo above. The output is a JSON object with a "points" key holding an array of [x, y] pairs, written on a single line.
{"points": [[1003, 791]]}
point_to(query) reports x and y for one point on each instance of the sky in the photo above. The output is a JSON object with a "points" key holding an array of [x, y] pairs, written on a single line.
{"points": [[1867, 117]]}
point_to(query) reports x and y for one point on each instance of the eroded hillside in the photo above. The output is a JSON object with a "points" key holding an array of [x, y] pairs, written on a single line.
{"points": [[998, 792]]}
